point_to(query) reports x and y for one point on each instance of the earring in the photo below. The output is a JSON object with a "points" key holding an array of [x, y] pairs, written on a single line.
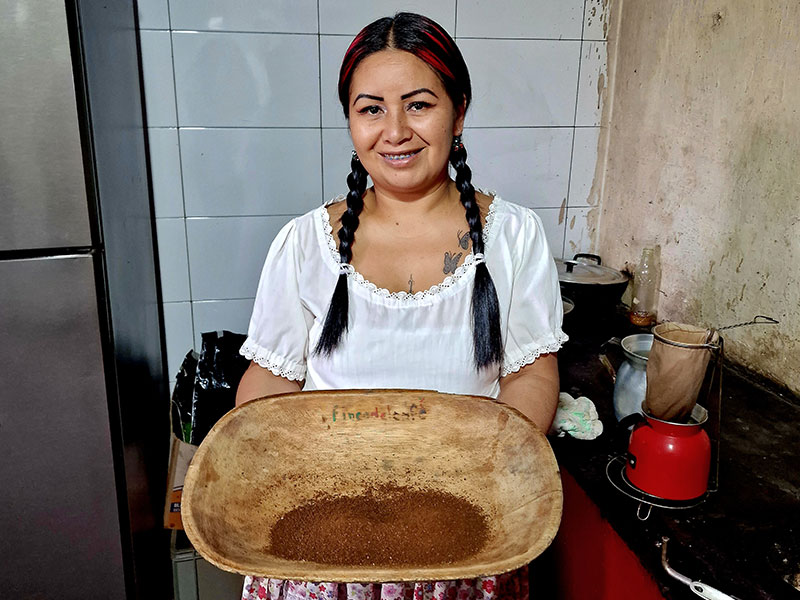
{"points": [[355, 156], [458, 145]]}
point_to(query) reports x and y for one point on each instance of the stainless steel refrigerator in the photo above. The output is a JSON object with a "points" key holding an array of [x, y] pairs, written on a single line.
{"points": [[83, 396]]}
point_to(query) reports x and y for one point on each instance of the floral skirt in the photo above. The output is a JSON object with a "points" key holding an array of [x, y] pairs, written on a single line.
{"points": [[508, 586]]}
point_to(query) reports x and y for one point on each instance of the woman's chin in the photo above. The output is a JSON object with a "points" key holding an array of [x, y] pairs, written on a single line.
{"points": [[408, 183]]}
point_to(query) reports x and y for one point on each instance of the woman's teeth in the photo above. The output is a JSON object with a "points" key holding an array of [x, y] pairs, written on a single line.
{"points": [[400, 156]]}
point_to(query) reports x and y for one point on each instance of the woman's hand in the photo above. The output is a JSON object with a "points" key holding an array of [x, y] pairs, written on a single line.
{"points": [[533, 390], [258, 382]]}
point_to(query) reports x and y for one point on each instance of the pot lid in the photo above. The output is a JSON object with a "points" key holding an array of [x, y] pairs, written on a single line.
{"points": [[579, 271]]}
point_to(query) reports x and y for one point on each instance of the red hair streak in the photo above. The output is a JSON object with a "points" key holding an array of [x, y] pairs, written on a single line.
{"points": [[351, 59], [434, 61], [437, 40]]}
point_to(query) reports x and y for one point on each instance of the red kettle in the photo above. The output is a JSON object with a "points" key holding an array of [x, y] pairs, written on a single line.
{"points": [[670, 460]]}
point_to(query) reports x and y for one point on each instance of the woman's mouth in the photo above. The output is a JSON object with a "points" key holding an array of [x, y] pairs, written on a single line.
{"points": [[399, 158]]}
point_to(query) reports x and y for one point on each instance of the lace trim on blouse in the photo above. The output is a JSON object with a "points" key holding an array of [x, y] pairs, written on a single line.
{"points": [[532, 355], [269, 360], [448, 281]]}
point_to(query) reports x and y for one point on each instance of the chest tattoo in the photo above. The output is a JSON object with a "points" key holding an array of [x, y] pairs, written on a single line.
{"points": [[463, 240], [411, 284], [451, 262]]}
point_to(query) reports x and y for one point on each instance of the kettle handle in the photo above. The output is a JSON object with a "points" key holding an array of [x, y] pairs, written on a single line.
{"points": [[604, 359], [622, 435], [631, 419], [609, 367]]}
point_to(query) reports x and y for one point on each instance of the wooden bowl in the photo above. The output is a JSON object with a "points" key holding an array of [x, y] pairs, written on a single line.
{"points": [[274, 454]]}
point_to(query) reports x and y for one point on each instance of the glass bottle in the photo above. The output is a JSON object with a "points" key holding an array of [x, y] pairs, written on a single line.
{"points": [[646, 288]]}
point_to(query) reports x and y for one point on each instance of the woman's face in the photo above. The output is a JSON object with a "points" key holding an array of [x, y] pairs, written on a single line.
{"points": [[402, 122]]}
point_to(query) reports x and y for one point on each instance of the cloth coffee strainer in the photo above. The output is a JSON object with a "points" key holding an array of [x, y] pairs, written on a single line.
{"points": [[678, 363], [676, 368]]}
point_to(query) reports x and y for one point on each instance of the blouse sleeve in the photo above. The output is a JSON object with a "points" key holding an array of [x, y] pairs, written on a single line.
{"points": [[277, 338], [536, 311]]}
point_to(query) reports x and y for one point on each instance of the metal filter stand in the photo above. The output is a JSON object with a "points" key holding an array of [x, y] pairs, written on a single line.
{"points": [[615, 472], [714, 401], [715, 414]]}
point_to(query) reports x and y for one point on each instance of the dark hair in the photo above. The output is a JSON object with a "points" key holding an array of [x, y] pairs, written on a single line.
{"points": [[429, 42]]}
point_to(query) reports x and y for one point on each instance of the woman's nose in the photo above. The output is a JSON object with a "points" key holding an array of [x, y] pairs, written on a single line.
{"points": [[397, 130]]}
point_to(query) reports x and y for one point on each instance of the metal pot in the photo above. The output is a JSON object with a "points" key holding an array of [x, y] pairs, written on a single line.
{"points": [[595, 289], [630, 380]]}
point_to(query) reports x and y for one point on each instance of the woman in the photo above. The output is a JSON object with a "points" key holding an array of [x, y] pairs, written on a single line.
{"points": [[435, 285]]}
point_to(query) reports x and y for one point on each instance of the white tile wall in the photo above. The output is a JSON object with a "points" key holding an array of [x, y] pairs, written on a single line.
{"points": [[531, 163], [165, 170], [173, 259], [153, 14], [336, 151], [158, 78], [246, 79], [595, 20], [584, 161], [236, 171], [178, 328], [226, 254], [577, 233], [336, 16], [214, 315], [547, 19], [553, 228], [267, 16], [245, 127], [332, 49], [592, 83], [535, 86]]}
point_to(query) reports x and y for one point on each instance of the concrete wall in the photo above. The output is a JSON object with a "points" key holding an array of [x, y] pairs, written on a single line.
{"points": [[702, 154]]}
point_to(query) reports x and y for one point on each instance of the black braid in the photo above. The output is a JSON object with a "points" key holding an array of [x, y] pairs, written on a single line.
{"points": [[336, 320], [486, 333]]}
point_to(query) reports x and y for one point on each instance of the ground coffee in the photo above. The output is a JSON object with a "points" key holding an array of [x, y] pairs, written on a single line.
{"points": [[384, 526]]}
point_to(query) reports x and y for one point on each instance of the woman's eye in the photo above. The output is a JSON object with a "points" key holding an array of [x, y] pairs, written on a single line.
{"points": [[418, 105], [370, 110]]}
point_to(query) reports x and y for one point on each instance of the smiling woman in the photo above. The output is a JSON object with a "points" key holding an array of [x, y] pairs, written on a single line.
{"points": [[403, 138], [407, 142], [427, 282]]}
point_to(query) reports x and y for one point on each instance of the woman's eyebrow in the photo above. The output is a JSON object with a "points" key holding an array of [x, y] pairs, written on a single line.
{"points": [[419, 91], [371, 97], [403, 97]]}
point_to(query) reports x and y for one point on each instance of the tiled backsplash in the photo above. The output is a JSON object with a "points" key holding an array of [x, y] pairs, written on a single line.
{"points": [[246, 130]]}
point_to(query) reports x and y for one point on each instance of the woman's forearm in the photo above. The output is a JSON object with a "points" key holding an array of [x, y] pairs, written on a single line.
{"points": [[533, 390], [258, 382]]}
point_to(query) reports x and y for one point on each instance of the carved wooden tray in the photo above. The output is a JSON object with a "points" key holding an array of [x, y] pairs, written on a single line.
{"points": [[274, 454]]}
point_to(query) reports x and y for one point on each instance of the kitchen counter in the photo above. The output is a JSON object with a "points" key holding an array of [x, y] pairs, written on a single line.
{"points": [[743, 539]]}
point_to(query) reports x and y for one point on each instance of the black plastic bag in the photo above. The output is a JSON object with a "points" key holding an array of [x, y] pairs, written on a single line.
{"points": [[219, 371], [182, 397]]}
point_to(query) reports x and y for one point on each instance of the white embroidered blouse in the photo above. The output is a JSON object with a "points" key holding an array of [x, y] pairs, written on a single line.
{"points": [[400, 340]]}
